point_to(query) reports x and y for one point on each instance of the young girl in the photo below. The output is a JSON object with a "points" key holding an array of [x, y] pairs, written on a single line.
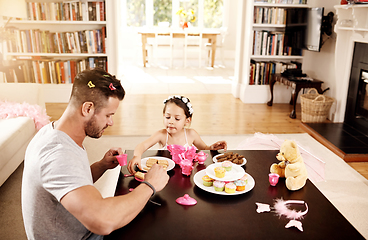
{"points": [[178, 112]]}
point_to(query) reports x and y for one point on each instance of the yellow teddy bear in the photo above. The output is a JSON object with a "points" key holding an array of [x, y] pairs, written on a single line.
{"points": [[291, 166]]}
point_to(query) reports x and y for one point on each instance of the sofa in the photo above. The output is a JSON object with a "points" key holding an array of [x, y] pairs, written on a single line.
{"points": [[16, 133]]}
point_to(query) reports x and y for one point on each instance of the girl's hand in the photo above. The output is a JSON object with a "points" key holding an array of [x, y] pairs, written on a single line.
{"points": [[219, 145], [135, 161]]}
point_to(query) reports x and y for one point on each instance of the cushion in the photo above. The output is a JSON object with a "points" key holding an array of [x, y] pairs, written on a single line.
{"points": [[15, 132]]}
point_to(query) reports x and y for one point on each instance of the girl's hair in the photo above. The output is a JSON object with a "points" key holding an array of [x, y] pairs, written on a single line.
{"points": [[181, 102], [95, 86]]}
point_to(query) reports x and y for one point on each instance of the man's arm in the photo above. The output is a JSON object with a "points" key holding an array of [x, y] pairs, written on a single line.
{"points": [[104, 215]]}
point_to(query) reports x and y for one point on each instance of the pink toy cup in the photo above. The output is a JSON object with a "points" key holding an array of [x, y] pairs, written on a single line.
{"points": [[273, 178], [122, 159], [186, 167], [201, 157]]}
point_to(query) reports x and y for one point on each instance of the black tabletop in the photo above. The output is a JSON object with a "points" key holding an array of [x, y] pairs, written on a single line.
{"points": [[231, 216]]}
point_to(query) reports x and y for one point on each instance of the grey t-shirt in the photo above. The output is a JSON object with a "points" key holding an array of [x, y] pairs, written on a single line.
{"points": [[54, 165]]}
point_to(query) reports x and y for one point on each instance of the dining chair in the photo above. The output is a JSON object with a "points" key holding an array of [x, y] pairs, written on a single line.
{"points": [[163, 39], [193, 40], [219, 46]]}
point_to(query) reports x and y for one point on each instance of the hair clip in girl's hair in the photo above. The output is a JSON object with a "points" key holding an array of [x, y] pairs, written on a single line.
{"points": [[90, 84], [111, 86], [106, 75]]}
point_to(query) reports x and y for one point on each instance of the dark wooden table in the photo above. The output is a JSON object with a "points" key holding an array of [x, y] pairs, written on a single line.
{"points": [[231, 216], [297, 85]]}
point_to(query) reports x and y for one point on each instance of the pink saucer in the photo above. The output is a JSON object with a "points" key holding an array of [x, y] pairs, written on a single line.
{"points": [[122, 159], [139, 180], [186, 200]]}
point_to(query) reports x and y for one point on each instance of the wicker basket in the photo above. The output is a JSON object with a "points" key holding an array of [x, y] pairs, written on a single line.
{"points": [[315, 107]]}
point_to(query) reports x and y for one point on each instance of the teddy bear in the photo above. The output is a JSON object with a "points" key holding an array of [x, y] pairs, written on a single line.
{"points": [[291, 166]]}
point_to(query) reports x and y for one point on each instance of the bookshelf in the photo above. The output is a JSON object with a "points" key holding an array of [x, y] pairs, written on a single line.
{"points": [[269, 52], [244, 88], [59, 39]]}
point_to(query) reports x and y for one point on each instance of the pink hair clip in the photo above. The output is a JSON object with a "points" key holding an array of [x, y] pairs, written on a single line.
{"points": [[90, 84], [112, 87]]}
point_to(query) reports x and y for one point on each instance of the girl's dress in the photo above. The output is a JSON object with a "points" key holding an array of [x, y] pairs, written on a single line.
{"points": [[167, 137]]}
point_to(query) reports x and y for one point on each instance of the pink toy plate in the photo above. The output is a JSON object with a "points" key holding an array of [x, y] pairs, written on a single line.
{"points": [[186, 200]]}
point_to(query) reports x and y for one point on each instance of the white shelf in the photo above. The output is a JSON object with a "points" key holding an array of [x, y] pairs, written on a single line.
{"points": [[58, 55], [263, 25], [270, 57], [260, 4], [58, 22]]}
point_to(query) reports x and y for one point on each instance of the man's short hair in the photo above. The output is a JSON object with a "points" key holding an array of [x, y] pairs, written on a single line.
{"points": [[95, 86]]}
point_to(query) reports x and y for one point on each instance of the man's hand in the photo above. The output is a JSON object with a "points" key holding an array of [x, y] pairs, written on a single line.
{"points": [[109, 160], [219, 145], [157, 176]]}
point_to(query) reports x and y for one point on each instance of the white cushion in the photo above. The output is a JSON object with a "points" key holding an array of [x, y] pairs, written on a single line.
{"points": [[15, 132]]}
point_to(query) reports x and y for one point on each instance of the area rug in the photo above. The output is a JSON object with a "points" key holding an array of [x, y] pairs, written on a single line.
{"points": [[345, 188]]}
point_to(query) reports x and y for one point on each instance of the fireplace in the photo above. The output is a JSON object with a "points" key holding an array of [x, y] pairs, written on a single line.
{"points": [[356, 113]]}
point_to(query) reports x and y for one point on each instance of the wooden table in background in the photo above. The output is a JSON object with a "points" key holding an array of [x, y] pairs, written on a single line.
{"points": [[211, 36], [297, 85]]}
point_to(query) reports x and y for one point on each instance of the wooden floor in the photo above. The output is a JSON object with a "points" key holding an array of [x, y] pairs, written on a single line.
{"points": [[219, 114]]}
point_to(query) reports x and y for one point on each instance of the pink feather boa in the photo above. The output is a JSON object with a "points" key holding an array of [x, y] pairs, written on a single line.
{"points": [[35, 112]]}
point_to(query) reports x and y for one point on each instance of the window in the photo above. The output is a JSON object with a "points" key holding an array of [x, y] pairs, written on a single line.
{"points": [[141, 13], [136, 13]]}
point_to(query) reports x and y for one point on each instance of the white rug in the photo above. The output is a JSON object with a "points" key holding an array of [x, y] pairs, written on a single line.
{"points": [[345, 188]]}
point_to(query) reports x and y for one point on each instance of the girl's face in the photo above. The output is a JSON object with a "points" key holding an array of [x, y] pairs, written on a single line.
{"points": [[174, 118]]}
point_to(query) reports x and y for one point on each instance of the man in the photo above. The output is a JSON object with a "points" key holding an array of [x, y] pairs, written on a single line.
{"points": [[59, 200]]}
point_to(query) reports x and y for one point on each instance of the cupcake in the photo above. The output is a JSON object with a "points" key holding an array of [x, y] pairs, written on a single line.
{"points": [[219, 185], [230, 187], [207, 181], [227, 165], [244, 178], [220, 172], [240, 185]]}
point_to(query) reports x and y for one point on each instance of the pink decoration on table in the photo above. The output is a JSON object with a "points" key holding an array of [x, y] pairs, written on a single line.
{"points": [[201, 157], [35, 112], [175, 150], [122, 159], [273, 178], [190, 153], [186, 200], [186, 165]]}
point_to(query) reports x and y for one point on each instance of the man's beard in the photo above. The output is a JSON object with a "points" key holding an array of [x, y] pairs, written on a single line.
{"points": [[92, 130]]}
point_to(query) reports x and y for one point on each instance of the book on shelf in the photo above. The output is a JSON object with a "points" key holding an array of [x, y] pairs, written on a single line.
{"points": [[261, 71], [51, 71], [268, 43], [66, 11], [269, 15], [39, 41]]}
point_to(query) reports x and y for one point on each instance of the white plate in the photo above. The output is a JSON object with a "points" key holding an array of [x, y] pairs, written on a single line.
{"points": [[235, 173], [199, 182], [171, 162], [215, 159]]}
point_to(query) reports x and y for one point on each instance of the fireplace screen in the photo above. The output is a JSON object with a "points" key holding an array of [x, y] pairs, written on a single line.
{"points": [[362, 98]]}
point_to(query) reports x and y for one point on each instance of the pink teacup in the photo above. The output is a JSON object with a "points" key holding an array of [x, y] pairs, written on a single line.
{"points": [[201, 157], [186, 167], [122, 159], [273, 178]]}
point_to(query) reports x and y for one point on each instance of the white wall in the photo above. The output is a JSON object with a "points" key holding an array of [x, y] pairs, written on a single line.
{"points": [[321, 65]]}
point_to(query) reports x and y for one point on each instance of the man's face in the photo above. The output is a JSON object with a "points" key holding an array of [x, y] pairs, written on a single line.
{"points": [[95, 127]]}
